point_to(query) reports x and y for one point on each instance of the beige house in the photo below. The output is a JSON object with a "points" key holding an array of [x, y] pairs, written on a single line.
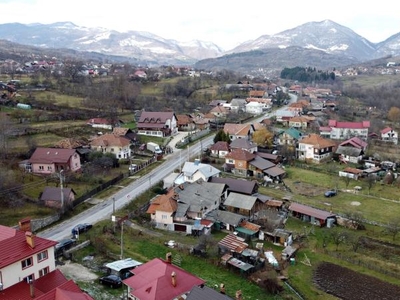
{"points": [[315, 148], [111, 143], [299, 122], [239, 131]]}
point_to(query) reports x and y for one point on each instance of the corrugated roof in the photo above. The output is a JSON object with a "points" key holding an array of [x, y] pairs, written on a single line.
{"points": [[152, 281], [13, 246], [310, 211], [261, 163], [204, 292], [233, 243], [240, 201], [274, 171]]}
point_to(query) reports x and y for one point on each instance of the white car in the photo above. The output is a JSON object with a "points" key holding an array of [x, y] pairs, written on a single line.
{"points": [[170, 244]]}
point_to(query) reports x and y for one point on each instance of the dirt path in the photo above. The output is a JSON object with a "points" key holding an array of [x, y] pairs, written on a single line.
{"points": [[77, 272]]}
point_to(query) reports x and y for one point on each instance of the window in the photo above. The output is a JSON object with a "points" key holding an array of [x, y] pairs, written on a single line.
{"points": [[42, 256], [230, 161], [112, 150], [41, 168], [27, 263], [164, 217], [49, 168], [29, 278], [43, 271]]}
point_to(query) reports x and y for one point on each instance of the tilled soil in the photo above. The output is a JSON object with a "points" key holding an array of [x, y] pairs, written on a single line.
{"points": [[347, 284]]}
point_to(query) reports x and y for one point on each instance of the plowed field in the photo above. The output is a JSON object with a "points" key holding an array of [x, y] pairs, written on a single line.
{"points": [[347, 284]]}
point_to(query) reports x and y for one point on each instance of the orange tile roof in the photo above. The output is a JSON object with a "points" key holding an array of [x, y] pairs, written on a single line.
{"points": [[163, 203], [317, 141], [110, 139], [236, 129]]}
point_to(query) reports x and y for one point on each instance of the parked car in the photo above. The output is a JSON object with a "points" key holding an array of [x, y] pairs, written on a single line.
{"points": [[330, 193], [78, 229], [64, 244], [170, 244], [112, 281]]}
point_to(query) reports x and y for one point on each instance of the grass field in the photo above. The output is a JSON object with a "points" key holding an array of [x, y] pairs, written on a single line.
{"points": [[369, 81]]}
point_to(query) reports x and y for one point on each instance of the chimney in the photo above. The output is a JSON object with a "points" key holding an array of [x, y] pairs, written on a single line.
{"points": [[30, 239], [31, 289], [222, 288], [173, 278], [169, 257], [238, 295], [25, 224]]}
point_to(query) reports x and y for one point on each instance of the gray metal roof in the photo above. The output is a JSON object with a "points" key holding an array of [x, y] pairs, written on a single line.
{"points": [[261, 163], [225, 217], [204, 292], [237, 185], [190, 168], [240, 201]]}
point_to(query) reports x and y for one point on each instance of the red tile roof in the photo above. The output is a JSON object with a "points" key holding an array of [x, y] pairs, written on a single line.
{"points": [[13, 246], [350, 125], [233, 243], [53, 286], [164, 203], [237, 129], [51, 155], [184, 119], [153, 281], [386, 130]]}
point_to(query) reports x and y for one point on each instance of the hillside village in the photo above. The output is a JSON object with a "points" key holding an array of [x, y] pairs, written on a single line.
{"points": [[258, 137]]}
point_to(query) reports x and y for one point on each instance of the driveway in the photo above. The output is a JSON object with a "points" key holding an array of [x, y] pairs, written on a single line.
{"points": [[177, 138]]}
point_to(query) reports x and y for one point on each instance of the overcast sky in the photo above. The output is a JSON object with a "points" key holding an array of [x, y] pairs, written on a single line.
{"points": [[226, 23]]}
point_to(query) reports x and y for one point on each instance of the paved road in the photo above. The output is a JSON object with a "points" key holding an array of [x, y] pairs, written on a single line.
{"points": [[104, 209]]}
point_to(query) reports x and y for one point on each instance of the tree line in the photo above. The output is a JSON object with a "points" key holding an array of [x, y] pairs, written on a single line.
{"points": [[309, 74]]}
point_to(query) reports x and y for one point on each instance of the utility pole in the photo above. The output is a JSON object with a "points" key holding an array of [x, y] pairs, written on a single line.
{"points": [[113, 205], [62, 190], [122, 240]]}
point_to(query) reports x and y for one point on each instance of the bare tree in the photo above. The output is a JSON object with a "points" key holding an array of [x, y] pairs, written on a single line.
{"points": [[393, 227], [338, 237]]}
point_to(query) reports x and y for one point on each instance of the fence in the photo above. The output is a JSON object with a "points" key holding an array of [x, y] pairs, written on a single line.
{"points": [[191, 137]]}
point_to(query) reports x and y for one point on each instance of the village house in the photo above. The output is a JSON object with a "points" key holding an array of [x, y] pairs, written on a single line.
{"points": [[238, 105], [337, 130], [194, 171], [299, 122], [389, 135], [52, 160], [120, 146], [30, 257], [315, 148], [185, 123], [220, 111], [56, 198], [100, 123], [219, 149], [160, 279], [243, 144], [237, 161], [159, 124], [239, 131], [290, 136], [243, 204], [351, 150], [125, 132]]}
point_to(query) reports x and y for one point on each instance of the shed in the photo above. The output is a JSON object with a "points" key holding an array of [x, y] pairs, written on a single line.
{"points": [[310, 214], [122, 267], [288, 252]]}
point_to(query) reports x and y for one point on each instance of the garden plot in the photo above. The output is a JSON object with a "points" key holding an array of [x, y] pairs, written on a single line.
{"points": [[347, 284]]}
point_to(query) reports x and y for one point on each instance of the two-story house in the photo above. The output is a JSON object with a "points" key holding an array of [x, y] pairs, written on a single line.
{"points": [[315, 148], [337, 130], [389, 135], [219, 149], [299, 122], [52, 160], [351, 150], [185, 123], [120, 146], [290, 136], [24, 256], [238, 161], [159, 124]]}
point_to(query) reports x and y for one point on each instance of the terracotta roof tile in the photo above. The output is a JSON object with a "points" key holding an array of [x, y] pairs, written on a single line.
{"points": [[240, 154], [317, 141], [110, 139]]}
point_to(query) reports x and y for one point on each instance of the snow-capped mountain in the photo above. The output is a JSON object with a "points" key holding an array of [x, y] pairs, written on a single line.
{"points": [[326, 43], [143, 46], [326, 36]]}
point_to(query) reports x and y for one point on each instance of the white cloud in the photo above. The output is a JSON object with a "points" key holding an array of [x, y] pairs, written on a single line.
{"points": [[225, 23]]}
